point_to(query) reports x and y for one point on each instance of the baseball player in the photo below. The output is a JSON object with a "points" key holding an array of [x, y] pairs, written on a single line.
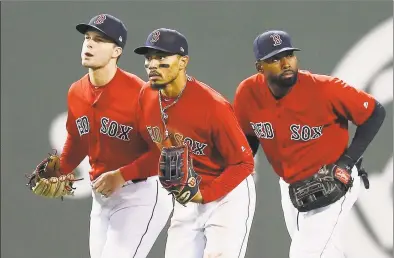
{"points": [[301, 121], [181, 113], [129, 207]]}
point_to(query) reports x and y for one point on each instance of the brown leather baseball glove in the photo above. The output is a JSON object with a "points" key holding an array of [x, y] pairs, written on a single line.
{"points": [[46, 180]]}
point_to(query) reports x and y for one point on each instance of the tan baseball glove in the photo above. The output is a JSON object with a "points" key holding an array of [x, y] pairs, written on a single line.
{"points": [[46, 180]]}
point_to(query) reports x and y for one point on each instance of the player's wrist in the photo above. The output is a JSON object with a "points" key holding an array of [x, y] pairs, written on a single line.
{"points": [[119, 175], [346, 162]]}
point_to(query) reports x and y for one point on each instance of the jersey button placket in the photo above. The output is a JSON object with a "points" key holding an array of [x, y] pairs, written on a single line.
{"points": [[94, 134], [280, 120], [278, 109]]}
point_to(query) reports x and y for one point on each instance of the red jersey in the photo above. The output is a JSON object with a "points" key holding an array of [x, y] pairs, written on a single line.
{"points": [[305, 129], [204, 120], [101, 124]]}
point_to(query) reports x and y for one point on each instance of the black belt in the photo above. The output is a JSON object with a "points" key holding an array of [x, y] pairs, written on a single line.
{"points": [[138, 180]]}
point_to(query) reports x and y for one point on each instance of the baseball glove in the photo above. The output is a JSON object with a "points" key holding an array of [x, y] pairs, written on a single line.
{"points": [[176, 173], [325, 187], [46, 180]]}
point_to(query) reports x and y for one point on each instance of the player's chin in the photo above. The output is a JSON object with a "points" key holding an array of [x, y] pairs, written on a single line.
{"points": [[288, 80], [88, 64], [157, 84]]}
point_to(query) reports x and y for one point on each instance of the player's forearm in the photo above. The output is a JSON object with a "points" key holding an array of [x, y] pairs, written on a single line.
{"points": [[72, 155], [146, 165], [364, 135], [230, 178]]}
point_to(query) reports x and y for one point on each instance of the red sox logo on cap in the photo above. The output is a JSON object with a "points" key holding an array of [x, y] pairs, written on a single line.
{"points": [[277, 40], [155, 36], [100, 19]]}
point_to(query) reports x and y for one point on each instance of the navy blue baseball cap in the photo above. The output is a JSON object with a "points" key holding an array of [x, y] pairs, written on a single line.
{"points": [[271, 43], [110, 26], [166, 40]]}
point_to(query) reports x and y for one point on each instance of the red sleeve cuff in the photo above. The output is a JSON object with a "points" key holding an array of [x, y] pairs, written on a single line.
{"points": [[64, 167], [230, 178]]}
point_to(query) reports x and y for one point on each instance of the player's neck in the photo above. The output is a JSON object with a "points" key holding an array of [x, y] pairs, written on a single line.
{"points": [[102, 76], [277, 91], [174, 88]]}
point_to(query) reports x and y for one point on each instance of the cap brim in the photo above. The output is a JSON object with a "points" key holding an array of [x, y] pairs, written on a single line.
{"points": [[279, 51], [83, 28], [143, 50]]}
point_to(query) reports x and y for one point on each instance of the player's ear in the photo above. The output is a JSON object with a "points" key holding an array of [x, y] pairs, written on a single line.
{"points": [[183, 61], [259, 67], [117, 52]]}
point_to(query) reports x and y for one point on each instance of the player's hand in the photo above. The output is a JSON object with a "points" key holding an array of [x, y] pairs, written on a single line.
{"points": [[108, 183], [197, 198]]}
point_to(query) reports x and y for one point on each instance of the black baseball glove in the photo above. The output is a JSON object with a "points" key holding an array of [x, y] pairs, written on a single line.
{"points": [[325, 187], [176, 173]]}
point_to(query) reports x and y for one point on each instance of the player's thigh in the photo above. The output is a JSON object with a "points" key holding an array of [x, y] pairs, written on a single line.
{"points": [[320, 231], [135, 225], [98, 229], [185, 235], [289, 211], [228, 228], [97, 236], [331, 248], [164, 208]]}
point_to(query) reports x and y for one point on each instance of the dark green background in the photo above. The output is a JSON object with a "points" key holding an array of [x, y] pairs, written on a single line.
{"points": [[40, 52]]}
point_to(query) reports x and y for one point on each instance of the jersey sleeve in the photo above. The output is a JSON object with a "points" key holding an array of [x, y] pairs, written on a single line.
{"points": [[242, 107], [147, 163], [232, 145], [349, 102], [73, 151]]}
